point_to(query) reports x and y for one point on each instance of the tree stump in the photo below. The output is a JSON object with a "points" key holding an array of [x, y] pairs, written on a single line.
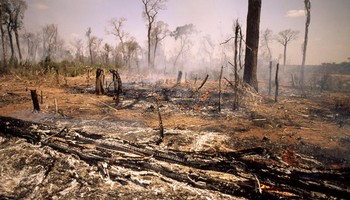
{"points": [[100, 77], [117, 81], [35, 100]]}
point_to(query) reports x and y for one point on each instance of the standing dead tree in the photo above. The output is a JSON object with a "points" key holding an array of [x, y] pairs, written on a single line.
{"points": [[117, 81], [100, 78], [284, 37], [252, 43], [151, 10], [266, 39], [220, 77], [307, 23], [276, 82]]}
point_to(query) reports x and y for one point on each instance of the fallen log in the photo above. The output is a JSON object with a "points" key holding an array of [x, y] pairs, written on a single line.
{"points": [[247, 177]]}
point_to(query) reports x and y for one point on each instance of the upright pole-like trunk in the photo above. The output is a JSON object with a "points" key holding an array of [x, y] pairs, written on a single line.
{"points": [[307, 23], [11, 43], [235, 102], [270, 77], [149, 45], [3, 45], [284, 56], [252, 42], [276, 82], [18, 45], [155, 51]]}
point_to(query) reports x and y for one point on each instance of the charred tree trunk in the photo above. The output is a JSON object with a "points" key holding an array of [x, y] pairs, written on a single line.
{"points": [[252, 43], [179, 77], [117, 81], [220, 77], [235, 101], [281, 181], [270, 77], [276, 82], [35, 100], [307, 23]]}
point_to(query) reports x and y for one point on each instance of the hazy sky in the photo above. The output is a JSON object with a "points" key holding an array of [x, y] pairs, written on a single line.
{"points": [[329, 34]]}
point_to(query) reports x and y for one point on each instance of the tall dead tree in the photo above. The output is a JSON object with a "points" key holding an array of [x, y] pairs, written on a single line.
{"points": [[276, 81], [284, 37], [159, 33], [307, 23], [237, 35], [100, 78], [252, 43], [266, 39], [151, 10], [2, 31]]}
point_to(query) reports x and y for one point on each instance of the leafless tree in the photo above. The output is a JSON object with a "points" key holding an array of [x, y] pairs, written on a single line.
{"points": [[2, 31], [91, 44], [307, 23], [150, 12], [78, 45], [131, 50], [252, 43], [14, 9], [208, 46], [284, 37], [107, 48], [117, 30], [33, 40], [182, 34], [159, 33], [267, 38], [49, 39]]}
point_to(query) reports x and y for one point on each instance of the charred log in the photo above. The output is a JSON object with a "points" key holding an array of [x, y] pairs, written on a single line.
{"points": [[193, 168]]}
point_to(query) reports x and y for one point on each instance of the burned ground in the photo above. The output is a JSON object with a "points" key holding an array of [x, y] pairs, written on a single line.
{"points": [[204, 152]]}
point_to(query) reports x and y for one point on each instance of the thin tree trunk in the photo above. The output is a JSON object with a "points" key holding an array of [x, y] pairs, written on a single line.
{"points": [[11, 44], [276, 82], [3, 45], [307, 23], [18, 45], [235, 102], [252, 42], [220, 77], [270, 77], [149, 45], [284, 56]]}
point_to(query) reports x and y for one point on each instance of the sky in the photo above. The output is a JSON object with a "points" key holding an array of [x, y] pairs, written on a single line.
{"points": [[329, 31]]}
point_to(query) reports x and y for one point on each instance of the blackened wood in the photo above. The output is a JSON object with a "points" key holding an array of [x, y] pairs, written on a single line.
{"points": [[220, 77], [276, 82], [117, 81], [35, 100], [203, 82], [179, 77], [252, 43], [270, 77]]}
